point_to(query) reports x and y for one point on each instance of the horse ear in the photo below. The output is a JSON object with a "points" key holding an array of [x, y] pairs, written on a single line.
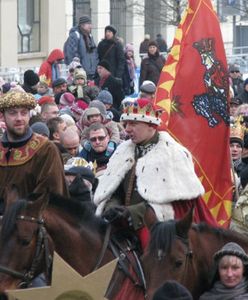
{"points": [[11, 195], [150, 217], [183, 225]]}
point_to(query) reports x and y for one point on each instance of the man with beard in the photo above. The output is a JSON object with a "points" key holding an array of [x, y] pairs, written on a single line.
{"points": [[28, 161]]}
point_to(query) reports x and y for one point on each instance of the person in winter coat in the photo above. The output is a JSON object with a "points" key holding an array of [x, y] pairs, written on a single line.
{"points": [[151, 65], [81, 44], [111, 50], [243, 96], [50, 68]]}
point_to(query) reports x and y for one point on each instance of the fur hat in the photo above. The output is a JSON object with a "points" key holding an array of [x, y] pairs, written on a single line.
{"points": [[17, 99], [84, 19], [105, 64], [105, 97], [170, 290], [41, 128], [231, 249], [31, 78], [148, 87], [66, 99], [111, 28], [141, 110], [58, 82]]}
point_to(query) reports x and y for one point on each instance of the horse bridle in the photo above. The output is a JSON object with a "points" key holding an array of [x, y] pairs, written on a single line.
{"points": [[41, 247]]}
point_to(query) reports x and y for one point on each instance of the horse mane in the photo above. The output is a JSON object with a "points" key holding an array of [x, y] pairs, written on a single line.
{"points": [[162, 236], [219, 232], [83, 211], [9, 218]]}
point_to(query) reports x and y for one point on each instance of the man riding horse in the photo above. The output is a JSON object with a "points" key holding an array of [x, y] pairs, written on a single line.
{"points": [[150, 169]]}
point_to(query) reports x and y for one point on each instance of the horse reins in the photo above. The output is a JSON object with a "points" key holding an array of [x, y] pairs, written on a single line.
{"points": [[41, 247]]}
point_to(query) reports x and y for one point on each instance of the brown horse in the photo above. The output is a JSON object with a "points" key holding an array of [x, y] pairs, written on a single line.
{"points": [[31, 231], [181, 251]]}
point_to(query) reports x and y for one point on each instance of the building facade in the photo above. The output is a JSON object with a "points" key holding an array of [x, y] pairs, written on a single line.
{"points": [[30, 29]]}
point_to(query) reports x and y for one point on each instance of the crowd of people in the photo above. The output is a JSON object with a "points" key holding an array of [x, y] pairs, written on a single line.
{"points": [[81, 137]]}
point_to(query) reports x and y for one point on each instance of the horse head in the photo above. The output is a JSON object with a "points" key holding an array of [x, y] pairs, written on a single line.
{"points": [[169, 253], [22, 236]]}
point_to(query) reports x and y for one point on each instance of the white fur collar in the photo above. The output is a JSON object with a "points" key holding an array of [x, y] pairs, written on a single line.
{"points": [[164, 174]]}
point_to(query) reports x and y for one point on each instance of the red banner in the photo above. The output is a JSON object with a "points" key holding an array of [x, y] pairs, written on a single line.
{"points": [[193, 89]]}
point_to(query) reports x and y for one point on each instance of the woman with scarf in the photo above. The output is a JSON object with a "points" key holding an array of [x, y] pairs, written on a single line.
{"points": [[230, 279], [151, 65]]}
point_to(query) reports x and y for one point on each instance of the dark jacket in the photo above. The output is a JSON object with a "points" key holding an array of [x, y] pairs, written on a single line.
{"points": [[243, 97], [113, 52], [114, 86], [151, 67], [144, 46]]}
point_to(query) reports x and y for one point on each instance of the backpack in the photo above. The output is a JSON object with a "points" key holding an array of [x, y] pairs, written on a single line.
{"points": [[67, 58]]}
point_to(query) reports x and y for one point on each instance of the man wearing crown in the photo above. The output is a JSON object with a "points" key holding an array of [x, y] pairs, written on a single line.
{"points": [[28, 161], [150, 169]]}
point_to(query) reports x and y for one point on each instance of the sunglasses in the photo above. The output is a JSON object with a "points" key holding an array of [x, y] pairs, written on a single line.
{"points": [[237, 71], [97, 138]]}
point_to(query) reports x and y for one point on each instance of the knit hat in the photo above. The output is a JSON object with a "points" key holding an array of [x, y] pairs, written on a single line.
{"points": [[170, 290], [84, 19], [58, 82], [41, 128], [31, 78], [17, 99], [99, 105], [231, 249], [105, 64], [153, 43], [66, 99], [68, 119], [80, 73], [148, 87], [46, 99], [75, 63], [105, 97], [129, 47], [91, 111], [141, 110], [111, 28]]}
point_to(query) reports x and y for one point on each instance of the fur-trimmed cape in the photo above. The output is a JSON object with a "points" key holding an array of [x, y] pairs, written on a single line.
{"points": [[164, 174]]}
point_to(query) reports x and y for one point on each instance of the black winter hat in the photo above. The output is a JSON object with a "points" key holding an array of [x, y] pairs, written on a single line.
{"points": [[105, 64], [84, 172], [153, 43], [172, 290], [58, 82], [84, 20], [111, 28], [31, 78]]}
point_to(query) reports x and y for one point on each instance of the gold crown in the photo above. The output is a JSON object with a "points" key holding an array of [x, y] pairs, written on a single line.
{"points": [[237, 130], [141, 110]]}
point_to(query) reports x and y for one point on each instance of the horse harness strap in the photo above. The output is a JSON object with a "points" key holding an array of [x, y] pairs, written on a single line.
{"points": [[121, 254], [104, 247], [42, 244]]}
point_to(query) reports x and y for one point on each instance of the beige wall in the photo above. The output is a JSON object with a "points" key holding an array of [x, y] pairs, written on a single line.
{"points": [[8, 33]]}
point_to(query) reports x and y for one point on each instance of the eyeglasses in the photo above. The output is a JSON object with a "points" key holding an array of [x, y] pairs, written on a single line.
{"points": [[99, 138]]}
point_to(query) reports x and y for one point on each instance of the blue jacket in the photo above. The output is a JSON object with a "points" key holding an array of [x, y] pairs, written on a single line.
{"points": [[76, 48]]}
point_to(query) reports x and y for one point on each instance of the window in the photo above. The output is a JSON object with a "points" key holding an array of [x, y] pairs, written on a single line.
{"points": [[28, 26]]}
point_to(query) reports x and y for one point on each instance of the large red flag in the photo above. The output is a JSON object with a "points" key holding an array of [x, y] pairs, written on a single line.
{"points": [[193, 89]]}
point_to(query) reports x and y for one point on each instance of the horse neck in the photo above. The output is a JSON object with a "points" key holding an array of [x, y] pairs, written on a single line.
{"points": [[70, 237]]}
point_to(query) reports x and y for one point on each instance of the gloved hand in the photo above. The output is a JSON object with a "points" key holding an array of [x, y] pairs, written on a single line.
{"points": [[118, 215]]}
